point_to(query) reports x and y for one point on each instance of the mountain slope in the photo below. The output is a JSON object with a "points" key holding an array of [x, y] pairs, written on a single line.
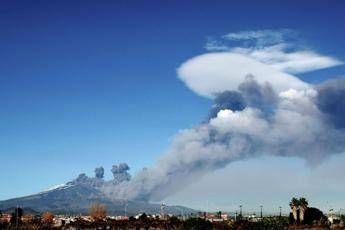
{"points": [[76, 196], [77, 199]]}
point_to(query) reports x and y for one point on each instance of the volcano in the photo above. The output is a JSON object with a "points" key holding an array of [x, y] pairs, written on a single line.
{"points": [[76, 197]]}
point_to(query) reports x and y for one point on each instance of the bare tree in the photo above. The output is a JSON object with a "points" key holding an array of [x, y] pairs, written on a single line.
{"points": [[98, 212], [48, 218]]}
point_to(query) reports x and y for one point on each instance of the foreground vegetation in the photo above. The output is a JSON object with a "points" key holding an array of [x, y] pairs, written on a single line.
{"points": [[301, 217], [171, 223], [143, 222]]}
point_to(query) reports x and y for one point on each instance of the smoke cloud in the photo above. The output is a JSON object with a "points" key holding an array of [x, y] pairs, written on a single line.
{"points": [[227, 100], [331, 101], [256, 95], [249, 122], [252, 121], [99, 172], [260, 108], [120, 173]]}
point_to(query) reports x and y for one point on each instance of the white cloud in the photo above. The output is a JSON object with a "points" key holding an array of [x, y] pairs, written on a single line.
{"points": [[273, 49], [247, 121], [213, 45], [289, 62], [261, 37], [212, 73]]}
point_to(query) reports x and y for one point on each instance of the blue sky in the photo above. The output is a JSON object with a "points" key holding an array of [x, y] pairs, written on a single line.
{"points": [[84, 83]]}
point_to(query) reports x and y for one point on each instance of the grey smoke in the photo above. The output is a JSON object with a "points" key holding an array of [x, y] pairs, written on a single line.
{"points": [[331, 101], [121, 168], [246, 123], [84, 180], [227, 100], [99, 172], [120, 173], [250, 93], [241, 128], [258, 96]]}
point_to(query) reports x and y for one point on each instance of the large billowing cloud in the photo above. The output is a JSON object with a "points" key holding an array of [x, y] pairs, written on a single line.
{"points": [[258, 111], [331, 101], [290, 125]]}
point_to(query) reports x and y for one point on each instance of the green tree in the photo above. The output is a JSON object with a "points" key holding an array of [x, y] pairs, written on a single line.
{"points": [[303, 206], [294, 202], [303, 202]]}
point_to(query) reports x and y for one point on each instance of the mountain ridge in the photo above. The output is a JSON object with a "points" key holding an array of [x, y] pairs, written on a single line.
{"points": [[76, 197]]}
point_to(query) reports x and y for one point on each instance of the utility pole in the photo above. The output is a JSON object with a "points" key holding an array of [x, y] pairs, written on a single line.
{"points": [[162, 210], [261, 211], [126, 204], [241, 211], [17, 217]]}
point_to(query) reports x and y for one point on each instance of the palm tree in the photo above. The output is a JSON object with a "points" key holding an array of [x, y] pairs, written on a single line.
{"points": [[303, 205], [303, 202], [294, 204]]}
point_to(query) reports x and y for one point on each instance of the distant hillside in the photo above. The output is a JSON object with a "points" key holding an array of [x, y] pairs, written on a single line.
{"points": [[77, 198]]}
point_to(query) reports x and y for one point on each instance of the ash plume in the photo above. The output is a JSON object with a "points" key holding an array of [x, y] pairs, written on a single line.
{"points": [[331, 101], [227, 100], [251, 121], [84, 180], [120, 173], [260, 108], [99, 172]]}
